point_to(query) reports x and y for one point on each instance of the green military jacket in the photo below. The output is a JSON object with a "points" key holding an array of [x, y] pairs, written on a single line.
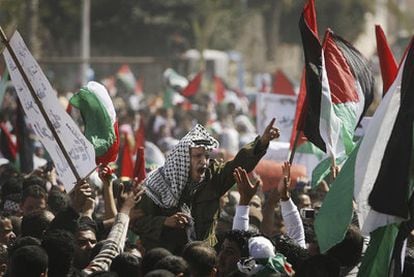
{"points": [[204, 203]]}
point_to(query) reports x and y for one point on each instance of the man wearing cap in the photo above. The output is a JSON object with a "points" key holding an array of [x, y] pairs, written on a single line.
{"points": [[181, 199]]}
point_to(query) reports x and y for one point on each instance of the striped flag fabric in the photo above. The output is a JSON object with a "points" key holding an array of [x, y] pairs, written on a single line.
{"points": [[312, 49], [339, 89], [388, 64], [99, 116], [282, 85], [377, 173], [193, 86], [309, 24], [220, 89], [8, 146], [347, 92], [127, 77]]}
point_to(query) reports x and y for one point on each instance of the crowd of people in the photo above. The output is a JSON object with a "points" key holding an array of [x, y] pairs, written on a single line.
{"points": [[202, 212]]}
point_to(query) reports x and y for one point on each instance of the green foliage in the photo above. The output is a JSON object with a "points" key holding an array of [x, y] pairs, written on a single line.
{"points": [[143, 27]]}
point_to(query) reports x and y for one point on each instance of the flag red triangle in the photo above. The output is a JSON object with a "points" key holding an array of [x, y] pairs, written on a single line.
{"points": [[139, 170], [220, 89], [193, 86], [282, 85], [340, 77], [388, 64]]}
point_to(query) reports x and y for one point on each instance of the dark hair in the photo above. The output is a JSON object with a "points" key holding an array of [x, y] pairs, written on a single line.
{"points": [[175, 264], [60, 246], [8, 171], [57, 201], [126, 264], [294, 253], [35, 223], [151, 257], [13, 185], [34, 180], [241, 238], [34, 191], [27, 261], [349, 251], [23, 241], [201, 259], [87, 224]]}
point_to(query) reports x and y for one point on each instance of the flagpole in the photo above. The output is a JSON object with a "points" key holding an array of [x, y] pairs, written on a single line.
{"points": [[295, 142], [4, 39]]}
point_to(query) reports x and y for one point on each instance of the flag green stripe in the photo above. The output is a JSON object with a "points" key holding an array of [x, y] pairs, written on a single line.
{"points": [[377, 258], [335, 214], [98, 127]]}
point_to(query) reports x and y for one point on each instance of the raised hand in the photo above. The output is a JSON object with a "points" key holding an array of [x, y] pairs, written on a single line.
{"points": [[246, 189], [105, 173], [269, 133], [285, 184], [129, 198], [80, 195]]}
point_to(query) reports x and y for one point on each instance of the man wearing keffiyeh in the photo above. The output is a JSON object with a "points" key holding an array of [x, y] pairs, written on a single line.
{"points": [[182, 197]]}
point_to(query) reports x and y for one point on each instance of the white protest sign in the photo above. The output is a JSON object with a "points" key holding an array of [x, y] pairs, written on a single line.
{"points": [[79, 149], [282, 107]]}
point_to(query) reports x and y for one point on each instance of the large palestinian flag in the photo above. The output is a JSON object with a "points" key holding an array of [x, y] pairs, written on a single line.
{"points": [[376, 174], [339, 89]]}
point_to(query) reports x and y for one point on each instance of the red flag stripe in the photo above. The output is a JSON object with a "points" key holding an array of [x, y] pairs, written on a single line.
{"points": [[341, 80], [192, 88], [220, 89], [282, 85], [388, 64]]}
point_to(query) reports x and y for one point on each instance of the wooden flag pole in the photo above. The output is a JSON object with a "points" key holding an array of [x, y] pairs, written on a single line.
{"points": [[4, 39]]}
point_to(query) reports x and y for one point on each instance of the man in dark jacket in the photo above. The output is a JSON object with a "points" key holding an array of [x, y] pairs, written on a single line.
{"points": [[182, 197]]}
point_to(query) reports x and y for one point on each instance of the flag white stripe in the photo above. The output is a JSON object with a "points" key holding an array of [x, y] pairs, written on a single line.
{"points": [[329, 124], [370, 155]]}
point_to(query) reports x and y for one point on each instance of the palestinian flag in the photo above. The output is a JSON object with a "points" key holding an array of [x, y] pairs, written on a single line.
{"points": [[193, 86], [339, 87], [8, 146], [377, 172], [388, 64], [220, 89], [313, 63], [309, 24], [99, 117], [127, 77], [282, 85]]}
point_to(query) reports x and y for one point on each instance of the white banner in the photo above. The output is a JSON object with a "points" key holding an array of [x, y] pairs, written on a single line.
{"points": [[282, 107], [80, 150]]}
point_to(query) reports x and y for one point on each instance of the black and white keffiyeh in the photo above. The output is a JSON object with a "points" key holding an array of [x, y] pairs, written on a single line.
{"points": [[166, 184]]}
